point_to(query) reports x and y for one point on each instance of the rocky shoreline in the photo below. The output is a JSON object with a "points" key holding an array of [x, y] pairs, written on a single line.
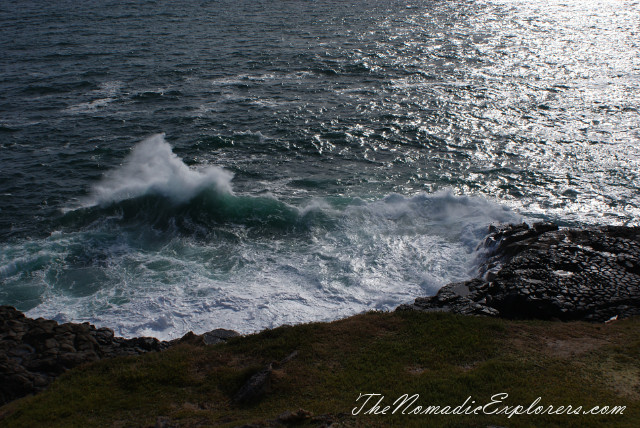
{"points": [[545, 272], [537, 271], [33, 352]]}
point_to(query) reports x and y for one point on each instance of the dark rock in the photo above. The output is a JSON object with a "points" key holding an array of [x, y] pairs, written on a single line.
{"points": [[544, 272], [191, 338], [289, 418], [210, 338], [254, 388], [104, 335], [34, 352], [260, 383], [219, 335]]}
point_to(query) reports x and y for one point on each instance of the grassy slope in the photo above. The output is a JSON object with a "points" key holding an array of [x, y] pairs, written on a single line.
{"points": [[443, 357]]}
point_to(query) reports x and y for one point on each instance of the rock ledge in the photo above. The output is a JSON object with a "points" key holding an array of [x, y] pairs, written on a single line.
{"points": [[545, 272]]}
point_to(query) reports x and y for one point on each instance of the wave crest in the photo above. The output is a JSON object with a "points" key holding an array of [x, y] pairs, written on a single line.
{"points": [[153, 168]]}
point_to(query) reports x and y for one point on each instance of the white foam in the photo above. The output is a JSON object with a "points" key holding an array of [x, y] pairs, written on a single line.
{"points": [[90, 106], [153, 168], [106, 94], [368, 255]]}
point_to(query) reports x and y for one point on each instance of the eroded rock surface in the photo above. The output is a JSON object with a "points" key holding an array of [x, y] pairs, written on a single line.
{"points": [[544, 272]]}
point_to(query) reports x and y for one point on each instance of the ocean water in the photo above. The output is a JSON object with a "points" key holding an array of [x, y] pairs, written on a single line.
{"points": [[167, 167]]}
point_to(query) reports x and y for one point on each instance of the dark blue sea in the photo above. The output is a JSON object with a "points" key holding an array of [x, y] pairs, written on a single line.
{"points": [[172, 166]]}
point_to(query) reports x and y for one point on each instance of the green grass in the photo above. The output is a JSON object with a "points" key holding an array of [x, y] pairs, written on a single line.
{"points": [[442, 357]]}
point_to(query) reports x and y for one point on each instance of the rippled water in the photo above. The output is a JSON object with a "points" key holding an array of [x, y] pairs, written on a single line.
{"points": [[370, 145]]}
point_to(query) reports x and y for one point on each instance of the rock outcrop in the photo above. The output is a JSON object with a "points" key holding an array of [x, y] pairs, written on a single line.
{"points": [[33, 352], [544, 272]]}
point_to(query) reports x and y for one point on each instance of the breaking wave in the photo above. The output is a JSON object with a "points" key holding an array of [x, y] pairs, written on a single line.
{"points": [[159, 248], [153, 168]]}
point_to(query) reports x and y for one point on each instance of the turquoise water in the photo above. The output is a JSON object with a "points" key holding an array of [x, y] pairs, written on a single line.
{"points": [[247, 164]]}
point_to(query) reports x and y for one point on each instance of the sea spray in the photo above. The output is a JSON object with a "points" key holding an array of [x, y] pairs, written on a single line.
{"points": [[153, 168], [160, 248], [353, 123]]}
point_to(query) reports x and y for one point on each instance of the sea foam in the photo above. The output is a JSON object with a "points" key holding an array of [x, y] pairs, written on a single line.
{"points": [[160, 248], [153, 168]]}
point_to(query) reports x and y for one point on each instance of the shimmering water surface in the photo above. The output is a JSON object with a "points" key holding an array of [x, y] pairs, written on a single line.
{"points": [[167, 167]]}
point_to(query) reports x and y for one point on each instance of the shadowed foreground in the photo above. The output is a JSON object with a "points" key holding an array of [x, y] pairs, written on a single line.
{"points": [[313, 374]]}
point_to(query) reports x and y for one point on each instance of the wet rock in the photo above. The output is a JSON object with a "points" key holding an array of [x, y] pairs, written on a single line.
{"points": [[544, 272]]}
